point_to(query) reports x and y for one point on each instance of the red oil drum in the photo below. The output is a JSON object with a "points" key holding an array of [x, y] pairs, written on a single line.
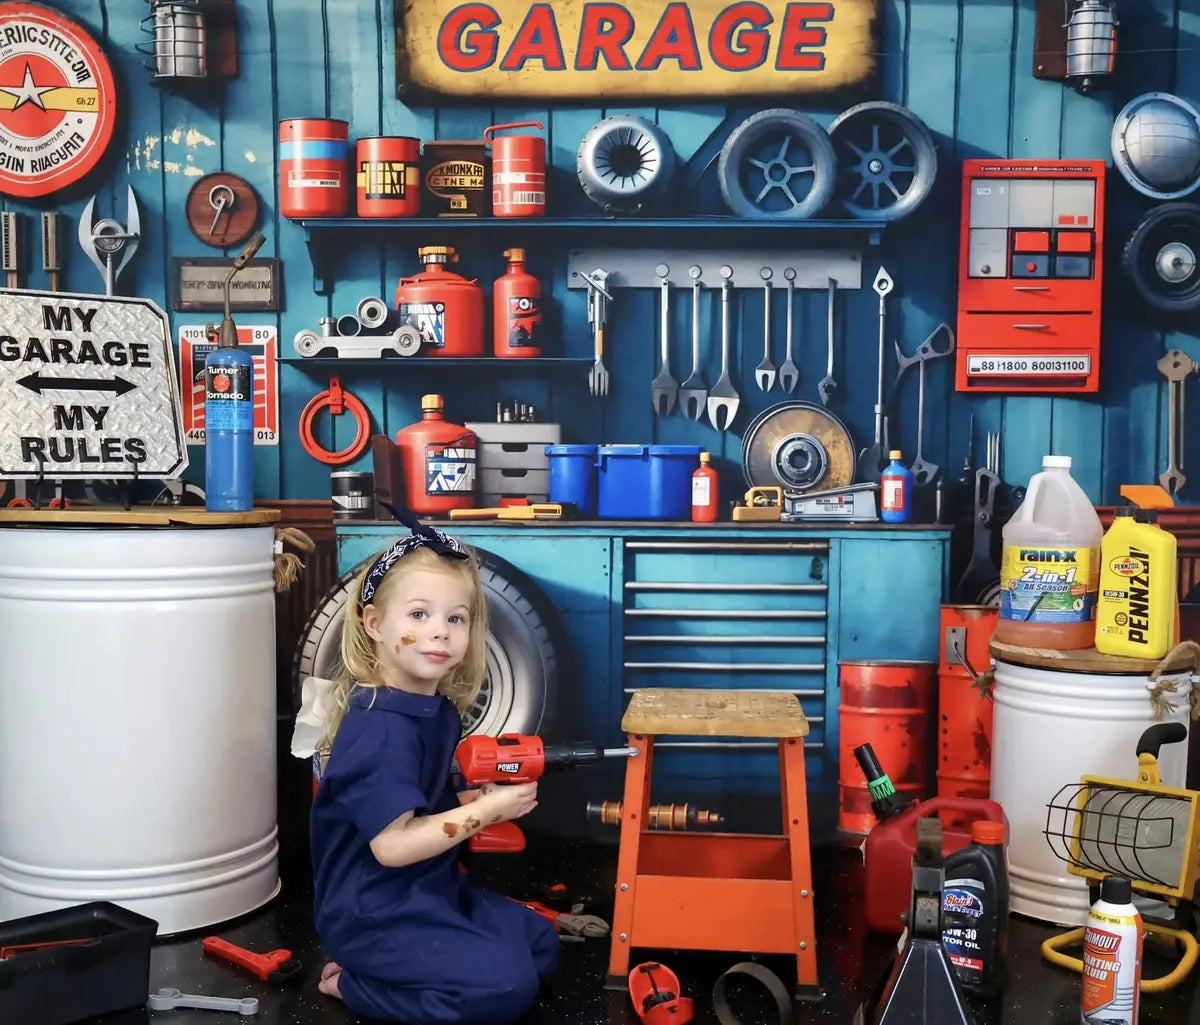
{"points": [[314, 168], [388, 176], [518, 171], [888, 705], [964, 705], [444, 307]]}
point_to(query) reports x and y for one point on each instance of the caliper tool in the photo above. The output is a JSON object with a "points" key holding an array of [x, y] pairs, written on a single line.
{"points": [[598, 300], [277, 967], [693, 392], [663, 388], [109, 245], [872, 458], [922, 470], [1176, 366]]}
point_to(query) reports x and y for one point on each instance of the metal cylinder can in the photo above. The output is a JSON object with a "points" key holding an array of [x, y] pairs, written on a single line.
{"points": [[517, 310], [353, 494], [387, 173], [518, 171], [454, 178], [314, 172]]}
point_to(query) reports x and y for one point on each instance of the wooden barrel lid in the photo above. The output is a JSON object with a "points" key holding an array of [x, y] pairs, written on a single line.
{"points": [[1084, 660], [141, 516]]}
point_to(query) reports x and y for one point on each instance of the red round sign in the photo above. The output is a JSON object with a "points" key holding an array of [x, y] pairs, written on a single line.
{"points": [[58, 101]]}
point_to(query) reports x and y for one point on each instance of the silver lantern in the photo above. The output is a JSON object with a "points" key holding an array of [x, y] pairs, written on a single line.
{"points": [[180, 39], [1091, 42]]}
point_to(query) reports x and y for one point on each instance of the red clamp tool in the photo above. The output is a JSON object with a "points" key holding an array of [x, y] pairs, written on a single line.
{"points": [[276, 966]]}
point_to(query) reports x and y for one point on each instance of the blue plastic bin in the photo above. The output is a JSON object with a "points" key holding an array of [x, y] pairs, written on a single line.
{"points": [[573, 476], [646, 482], [671, 469]]}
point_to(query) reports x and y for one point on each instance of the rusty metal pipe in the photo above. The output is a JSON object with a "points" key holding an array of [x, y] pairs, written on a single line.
{"points": [[673, 817]]}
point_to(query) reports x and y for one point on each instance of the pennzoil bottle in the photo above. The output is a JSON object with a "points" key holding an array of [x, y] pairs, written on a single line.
{"points": [[1135, 614]]}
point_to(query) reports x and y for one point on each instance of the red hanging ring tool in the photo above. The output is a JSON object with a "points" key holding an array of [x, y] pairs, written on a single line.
{"points": [[337, 402]]}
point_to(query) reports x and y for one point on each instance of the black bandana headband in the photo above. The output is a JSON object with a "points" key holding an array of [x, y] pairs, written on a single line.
{"points": [[422, 536]]}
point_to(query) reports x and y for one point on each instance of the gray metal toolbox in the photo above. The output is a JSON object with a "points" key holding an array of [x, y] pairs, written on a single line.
{"points": [[514, 446]]}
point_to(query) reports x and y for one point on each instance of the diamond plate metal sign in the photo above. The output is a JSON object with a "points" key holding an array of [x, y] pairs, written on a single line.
{"points": [[88, 388]]}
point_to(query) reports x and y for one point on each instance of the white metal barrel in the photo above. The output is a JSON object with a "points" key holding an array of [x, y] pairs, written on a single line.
{"points": [[137, 720], [1051, 727]]}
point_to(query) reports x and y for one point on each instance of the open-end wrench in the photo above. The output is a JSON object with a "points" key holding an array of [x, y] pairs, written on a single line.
{"points": [[693, 392], [922, 470], [168, 999], [789, 373], [827, 385], [764, 373], [1176, 366], [663, 389], [723, 397]]}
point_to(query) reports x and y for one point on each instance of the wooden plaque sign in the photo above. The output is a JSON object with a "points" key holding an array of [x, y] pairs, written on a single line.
{"points": [[633, 49]]}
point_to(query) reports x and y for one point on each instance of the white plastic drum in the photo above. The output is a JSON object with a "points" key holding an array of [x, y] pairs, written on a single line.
{"points": [[1050, 729], [137, 721]]}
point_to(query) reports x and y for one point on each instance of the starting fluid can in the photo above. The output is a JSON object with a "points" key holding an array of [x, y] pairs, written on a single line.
{"points": [[314, 168], [388, 173], [1112, 956], [518, 171], [517, 310]]}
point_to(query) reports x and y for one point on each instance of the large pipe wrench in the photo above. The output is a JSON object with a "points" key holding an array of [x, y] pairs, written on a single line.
{"points": [[109, 245]]}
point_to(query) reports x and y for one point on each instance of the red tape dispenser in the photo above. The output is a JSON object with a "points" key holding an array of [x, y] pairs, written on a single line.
{"points": [[654, 990]]}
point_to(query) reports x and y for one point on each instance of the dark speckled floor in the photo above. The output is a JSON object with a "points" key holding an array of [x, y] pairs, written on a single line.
{"points": [[850, 959]]}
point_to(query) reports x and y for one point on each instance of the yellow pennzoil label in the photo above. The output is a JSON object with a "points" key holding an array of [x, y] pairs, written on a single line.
{"points": [[1049, 583]]}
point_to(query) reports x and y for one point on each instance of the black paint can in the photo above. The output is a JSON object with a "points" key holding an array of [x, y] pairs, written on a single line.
{"points": [[353, 494]]}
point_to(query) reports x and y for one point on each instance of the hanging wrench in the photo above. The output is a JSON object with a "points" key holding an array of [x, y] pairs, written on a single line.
{"points": [[108, 245], [663, 389], [694, 392], [1176, 366], [764, 373], [789, 373], [598, 300], [827, 385], [923, 471]]}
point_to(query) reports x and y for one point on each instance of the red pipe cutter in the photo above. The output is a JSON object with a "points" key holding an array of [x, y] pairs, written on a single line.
{"points": [[276, 966]]}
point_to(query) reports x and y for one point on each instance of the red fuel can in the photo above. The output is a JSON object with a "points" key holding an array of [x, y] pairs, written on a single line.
{"points": [[438, 461], [388, 173], [518, 171], [446, 308], [314, 168], [517, 310]]}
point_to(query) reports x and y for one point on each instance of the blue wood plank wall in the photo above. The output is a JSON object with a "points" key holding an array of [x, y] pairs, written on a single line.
{"points": [[964, 66]]}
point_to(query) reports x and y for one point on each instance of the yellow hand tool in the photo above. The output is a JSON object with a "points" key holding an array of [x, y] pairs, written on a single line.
{"points": [[762, 505], [533, 511]]}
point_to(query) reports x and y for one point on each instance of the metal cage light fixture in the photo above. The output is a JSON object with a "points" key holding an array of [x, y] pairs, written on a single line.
{"points": [[180, 30], [1091, 41]]}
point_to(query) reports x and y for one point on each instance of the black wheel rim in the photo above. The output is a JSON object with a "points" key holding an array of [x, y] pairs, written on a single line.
{"points": [[778, 171]]}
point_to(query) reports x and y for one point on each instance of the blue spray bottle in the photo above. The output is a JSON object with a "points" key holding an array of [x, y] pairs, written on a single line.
{"points": [[895, 489], [229, 412]]}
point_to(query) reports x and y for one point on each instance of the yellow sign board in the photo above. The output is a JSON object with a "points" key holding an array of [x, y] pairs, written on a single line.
{"points": [[646, 49]]}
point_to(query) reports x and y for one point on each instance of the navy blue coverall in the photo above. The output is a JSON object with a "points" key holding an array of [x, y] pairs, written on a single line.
{"points": [[416, 944]]}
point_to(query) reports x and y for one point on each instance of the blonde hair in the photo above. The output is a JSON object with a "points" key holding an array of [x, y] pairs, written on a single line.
{"points": [[360, 662]]}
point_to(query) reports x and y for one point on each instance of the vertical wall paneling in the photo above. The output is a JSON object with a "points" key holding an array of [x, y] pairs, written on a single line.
{"points": [[299, 51]]}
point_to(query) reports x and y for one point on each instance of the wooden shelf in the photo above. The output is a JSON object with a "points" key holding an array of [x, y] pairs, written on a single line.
{"points": [[766, 231]]}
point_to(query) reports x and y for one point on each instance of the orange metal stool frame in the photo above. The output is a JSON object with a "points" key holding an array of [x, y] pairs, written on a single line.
{"points": [[739, 892]]}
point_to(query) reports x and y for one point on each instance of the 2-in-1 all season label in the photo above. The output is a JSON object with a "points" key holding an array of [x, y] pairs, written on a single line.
{"points": [[57, 101], [1049, 584]]}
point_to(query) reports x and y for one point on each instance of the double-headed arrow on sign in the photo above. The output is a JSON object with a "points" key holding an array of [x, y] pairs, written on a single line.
{"points": [[35, 382]]}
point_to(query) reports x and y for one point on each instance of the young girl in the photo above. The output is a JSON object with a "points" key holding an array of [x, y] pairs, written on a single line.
{"points": [[410, 939]]}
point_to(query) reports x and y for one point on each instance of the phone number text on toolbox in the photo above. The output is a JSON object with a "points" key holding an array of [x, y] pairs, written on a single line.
{"points": [[1030, 365]]}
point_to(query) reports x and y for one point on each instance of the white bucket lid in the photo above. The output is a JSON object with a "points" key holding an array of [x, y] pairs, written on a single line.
{"points": [[1056, 462]]}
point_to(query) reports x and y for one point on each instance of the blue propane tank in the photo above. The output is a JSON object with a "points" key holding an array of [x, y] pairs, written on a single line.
{"points": [[895, 490], [228, 427]]}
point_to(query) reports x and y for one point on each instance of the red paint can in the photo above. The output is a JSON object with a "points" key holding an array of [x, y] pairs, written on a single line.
{"points": [[314, 168], [388, 176], [518, 171]]}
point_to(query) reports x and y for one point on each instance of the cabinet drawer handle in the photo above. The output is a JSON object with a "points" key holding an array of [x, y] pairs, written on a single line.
{"points": [[1031, 327], [1031, 288]]}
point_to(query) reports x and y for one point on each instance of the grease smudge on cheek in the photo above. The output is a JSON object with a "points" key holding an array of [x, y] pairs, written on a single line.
{"points": [[407, 639]]}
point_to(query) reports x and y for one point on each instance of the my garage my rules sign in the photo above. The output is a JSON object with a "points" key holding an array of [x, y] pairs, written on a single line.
{"points": [[647, 49]]}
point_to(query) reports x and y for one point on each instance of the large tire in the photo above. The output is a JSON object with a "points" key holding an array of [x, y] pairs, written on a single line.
{"points": [[746, 192], [1161, 257], [518, 694]]}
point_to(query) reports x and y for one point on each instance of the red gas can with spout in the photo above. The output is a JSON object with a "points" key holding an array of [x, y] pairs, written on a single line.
{"points": [[889, 848], [517, 310], [518, 171], [438, 461], [446, 308]]}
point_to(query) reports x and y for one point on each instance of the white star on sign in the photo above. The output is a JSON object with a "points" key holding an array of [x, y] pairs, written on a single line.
{"points": [[29, 91]]}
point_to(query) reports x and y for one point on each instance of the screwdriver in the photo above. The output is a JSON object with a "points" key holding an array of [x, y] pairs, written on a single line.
{"points": [[51, 250]]}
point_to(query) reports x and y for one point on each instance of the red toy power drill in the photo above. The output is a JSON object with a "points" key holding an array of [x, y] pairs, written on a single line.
{"points": [[519, 758]]}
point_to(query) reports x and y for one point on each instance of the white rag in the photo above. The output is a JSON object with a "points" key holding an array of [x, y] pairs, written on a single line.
{"points": [[315, 706]]}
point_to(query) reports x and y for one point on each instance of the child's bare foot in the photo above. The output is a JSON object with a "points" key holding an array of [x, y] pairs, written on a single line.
{"points": [[330, 975]]}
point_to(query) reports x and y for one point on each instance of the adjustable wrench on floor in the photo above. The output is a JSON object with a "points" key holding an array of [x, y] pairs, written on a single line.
{"points": [[1176, 366]]}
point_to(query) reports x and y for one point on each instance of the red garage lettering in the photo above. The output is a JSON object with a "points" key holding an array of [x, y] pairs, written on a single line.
{"points": [[796, 37], [536, 39], [467, 40], [673, 38], [604, 28]]}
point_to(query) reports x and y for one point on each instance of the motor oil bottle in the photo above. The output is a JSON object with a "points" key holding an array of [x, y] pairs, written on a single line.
{"points": [[1050, 567], [1112, 956], [705, 491], [895, 490], [975, 910], [438, 461], [517, 310], [1135, 613]]}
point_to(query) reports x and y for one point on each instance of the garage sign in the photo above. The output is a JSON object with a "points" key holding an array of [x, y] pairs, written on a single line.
{"points": [[647, 49], [87, 388], [58, 101]]}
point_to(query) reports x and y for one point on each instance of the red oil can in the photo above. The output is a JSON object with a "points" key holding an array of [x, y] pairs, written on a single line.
{"points": [[889, 848], [518, 171], [446, 308], [438, 461], [314, 167], [388, 174], [517, 310]]}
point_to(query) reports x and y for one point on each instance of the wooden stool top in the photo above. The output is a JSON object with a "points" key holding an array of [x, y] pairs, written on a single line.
{"points": [[1083, 660], [714, 713]]}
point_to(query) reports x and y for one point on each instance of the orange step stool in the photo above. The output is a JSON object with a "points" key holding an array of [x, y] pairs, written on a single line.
{"points": [[715, 891]]}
